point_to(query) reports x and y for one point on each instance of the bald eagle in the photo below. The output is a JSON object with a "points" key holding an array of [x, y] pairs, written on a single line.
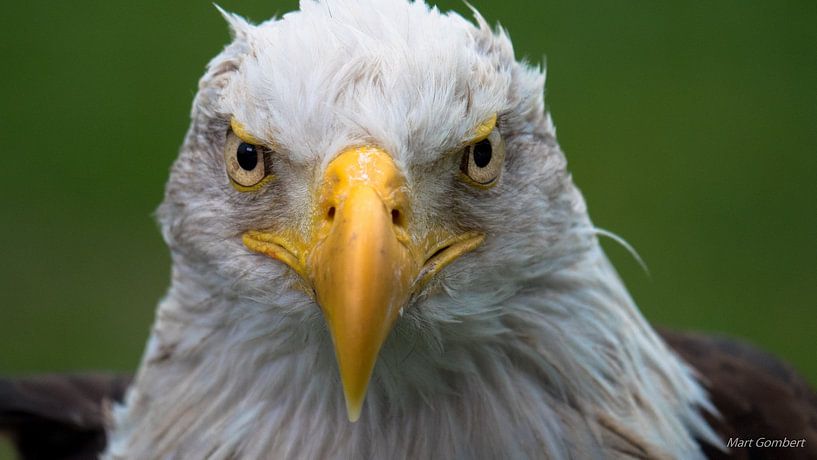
{"points": [[378, 252]]}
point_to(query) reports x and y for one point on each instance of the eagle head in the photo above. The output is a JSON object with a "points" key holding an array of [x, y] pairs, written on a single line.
{"points": [[371, 218]]}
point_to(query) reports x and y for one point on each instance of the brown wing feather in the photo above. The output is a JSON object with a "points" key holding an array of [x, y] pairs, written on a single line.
{"points": [[58, 416], [757, 395]]}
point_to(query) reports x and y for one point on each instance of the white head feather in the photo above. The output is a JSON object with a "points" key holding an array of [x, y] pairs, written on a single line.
{"points": [[528, 346]]}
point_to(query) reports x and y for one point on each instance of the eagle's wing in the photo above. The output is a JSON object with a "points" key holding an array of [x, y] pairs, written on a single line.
{"points": [[58, 416], [758, 396]]}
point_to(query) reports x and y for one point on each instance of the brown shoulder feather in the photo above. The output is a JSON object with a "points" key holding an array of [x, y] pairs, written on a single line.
{"points": [[58, 416], [760, 398]]}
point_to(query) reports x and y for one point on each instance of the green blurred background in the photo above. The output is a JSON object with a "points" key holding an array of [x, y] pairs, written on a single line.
{"points": [[690, 126]]}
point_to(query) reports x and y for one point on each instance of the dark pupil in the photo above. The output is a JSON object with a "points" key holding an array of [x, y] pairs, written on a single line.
{"points": [[482, 153], [247, 156]]}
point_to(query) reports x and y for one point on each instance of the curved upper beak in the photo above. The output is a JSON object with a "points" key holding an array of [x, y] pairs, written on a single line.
{"points": [[361, 259], [363, 268]]}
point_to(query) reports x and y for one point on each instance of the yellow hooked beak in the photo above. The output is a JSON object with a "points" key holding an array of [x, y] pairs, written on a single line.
{"points": [[361, 259]]}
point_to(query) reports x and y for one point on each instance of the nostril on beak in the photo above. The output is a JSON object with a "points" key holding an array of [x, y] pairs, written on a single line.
{"points": [[396, 218], [330, 214]]}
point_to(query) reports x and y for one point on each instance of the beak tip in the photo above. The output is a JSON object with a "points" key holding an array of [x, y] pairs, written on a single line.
{"points": [[353, 410]]}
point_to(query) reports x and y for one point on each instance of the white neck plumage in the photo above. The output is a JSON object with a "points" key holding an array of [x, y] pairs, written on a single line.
{"points": [[565, 364]]}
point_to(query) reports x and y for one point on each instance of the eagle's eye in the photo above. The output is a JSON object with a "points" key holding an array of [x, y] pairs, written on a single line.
{"points": [[246, 163], [247, 156], [482, 161]]}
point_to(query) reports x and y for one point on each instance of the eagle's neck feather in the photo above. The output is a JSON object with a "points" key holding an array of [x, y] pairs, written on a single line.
{"points": [[567, 364]]}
